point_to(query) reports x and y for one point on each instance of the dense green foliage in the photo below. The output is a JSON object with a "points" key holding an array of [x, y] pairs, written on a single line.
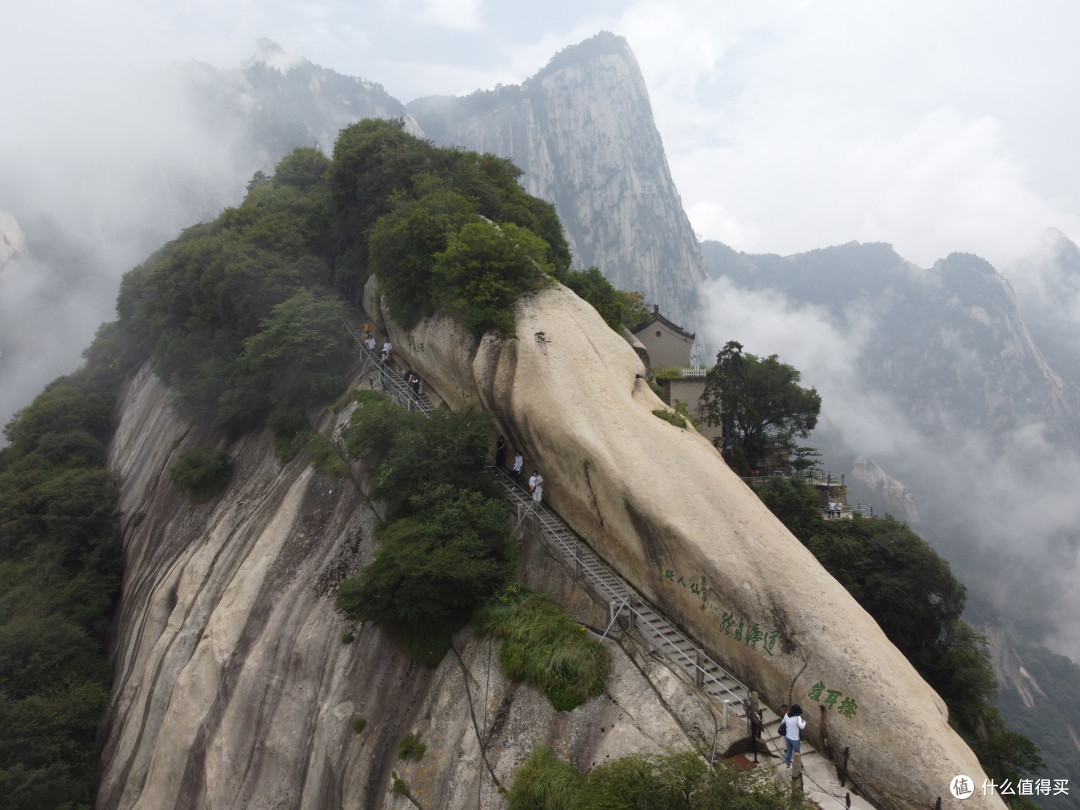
{"points": [[621, 310], [428, 195], [202, 472], [543, 646], [417, 453], [242, 315], [671, 782], [911, 592], [60, 571], [410, 747], [447, 547], [325, 458], [483, 271], [761, 406], [544, 782], [238, 313]]}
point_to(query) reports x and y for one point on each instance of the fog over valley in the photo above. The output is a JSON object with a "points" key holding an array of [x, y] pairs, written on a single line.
{"points": [[884, 198]]}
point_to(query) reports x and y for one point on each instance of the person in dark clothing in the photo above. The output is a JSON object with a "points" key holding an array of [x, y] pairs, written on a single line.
{"points": [[500, 453]]}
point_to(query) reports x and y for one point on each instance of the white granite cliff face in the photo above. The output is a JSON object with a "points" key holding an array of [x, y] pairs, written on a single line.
{"points": [[233, 688], [12, 239], [582, 132], [660, 506], [896, 498]]}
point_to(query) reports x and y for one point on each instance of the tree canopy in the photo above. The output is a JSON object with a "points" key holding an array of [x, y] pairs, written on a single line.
{"points": [[760, 406]]}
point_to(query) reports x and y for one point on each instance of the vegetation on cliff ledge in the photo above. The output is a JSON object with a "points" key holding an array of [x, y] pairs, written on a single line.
{"points": [[60, 573], [446, 546], [669, 782]]}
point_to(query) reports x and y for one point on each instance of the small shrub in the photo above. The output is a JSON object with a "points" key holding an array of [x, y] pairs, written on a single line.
{"points": [[544, 781], [361, 395], [287, 446], [399, 787], [359, 724], [545, 647], [325, 458], [410, 747], [683, 410], [347, 637], [678, 420], [202, 472]]}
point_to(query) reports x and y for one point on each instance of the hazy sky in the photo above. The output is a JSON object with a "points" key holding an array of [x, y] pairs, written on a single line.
{"points": [[788, 125]]}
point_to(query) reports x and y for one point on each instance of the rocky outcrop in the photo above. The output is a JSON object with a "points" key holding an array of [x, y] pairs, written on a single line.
{"points": [[233, 685], [894, 497], [582, 132], [659, 505], [12, 240]]}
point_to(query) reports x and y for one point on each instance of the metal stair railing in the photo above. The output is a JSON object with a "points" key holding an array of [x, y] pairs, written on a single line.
{"points": [[621, 598], [400, 390], [585, 565]]}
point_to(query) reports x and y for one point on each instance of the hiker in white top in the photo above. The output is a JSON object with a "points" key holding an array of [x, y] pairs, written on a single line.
{"points": [[793, 734], [536, 486]]}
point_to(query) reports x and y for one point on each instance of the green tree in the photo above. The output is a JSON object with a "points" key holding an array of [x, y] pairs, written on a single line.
{"points": [[202, 472], [434, 567], [619, 309], [260, 178], [305, 168], [446, 448], [483, 271], [760, 406], [403, 245], [299, 354]]}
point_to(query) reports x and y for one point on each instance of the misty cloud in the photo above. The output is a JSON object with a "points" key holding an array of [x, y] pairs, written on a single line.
{"points": [[998, 506]]}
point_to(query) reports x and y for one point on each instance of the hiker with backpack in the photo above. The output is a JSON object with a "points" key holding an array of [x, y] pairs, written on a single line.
{"points": [[791, 728]]}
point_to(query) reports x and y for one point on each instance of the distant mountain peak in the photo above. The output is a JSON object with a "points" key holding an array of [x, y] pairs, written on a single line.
{"points": [[271, 54], [604, 43]]}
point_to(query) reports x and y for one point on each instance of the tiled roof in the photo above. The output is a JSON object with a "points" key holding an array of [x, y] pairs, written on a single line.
{"points": [[658, 318]]}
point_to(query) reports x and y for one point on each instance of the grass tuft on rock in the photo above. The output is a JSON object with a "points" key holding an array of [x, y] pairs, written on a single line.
{"points": [[543, 646]]}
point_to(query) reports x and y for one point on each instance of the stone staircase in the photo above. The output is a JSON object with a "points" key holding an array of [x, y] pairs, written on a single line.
{"points": [[632, 612]]}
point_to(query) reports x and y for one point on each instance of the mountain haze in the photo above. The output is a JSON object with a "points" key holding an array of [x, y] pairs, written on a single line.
{"points": [[940, 405], [175, 147]]}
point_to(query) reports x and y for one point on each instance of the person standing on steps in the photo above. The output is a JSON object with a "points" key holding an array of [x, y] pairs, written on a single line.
{"points": [[536, 486], [793, 733], [519, 462], [369, 341], [500, 453]]}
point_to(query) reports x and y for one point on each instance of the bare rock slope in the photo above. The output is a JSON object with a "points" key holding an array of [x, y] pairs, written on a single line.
{"points": [[233, 687], [658, 503]]}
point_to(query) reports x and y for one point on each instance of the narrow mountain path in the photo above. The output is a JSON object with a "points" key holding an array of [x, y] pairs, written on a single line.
{"points": [[626, 607]]}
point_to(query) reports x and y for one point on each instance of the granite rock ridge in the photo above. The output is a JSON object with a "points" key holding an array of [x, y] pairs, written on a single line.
{"points": [[661, 507]]}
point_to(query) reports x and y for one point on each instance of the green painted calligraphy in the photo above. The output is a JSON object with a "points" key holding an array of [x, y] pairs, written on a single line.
{"points": [[848, 707], [769, 642], [753, 636]]}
